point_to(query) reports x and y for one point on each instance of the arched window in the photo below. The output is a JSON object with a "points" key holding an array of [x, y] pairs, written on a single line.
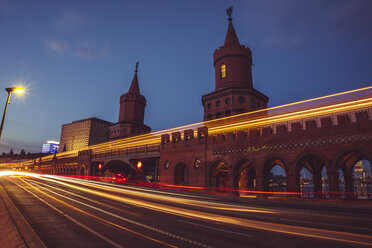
{"points": [[223, 71]]}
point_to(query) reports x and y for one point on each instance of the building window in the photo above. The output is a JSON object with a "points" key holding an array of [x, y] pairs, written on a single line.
{"points": [[227, 100], [223, 71], [241, 100], [218, 103], [209, 105]]}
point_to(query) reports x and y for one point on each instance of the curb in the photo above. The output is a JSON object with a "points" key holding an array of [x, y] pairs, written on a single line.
{"points": [[25, 231]]}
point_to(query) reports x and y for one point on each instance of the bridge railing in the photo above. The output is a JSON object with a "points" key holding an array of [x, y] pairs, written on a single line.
{"points": [[127, 151]]}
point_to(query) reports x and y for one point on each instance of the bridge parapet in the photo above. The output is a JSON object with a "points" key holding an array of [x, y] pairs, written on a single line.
{"points": [[135, 150], [302, 128]]}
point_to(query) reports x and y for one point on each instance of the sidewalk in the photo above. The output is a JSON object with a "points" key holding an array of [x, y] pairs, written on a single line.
{"points": [[14, 229]]}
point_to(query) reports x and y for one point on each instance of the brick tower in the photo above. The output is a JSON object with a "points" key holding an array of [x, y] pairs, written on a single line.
{"points": [[234, 92], [131, 114]]}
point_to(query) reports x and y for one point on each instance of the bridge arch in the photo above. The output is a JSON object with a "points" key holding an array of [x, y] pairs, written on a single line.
{"points": [[245, 176], [120, 168], [219, 175], [311, 175], [82, 171], [354, 174], [275, 174]]}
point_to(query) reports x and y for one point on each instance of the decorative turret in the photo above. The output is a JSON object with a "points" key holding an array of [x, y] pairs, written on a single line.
{"points": [[132, 104], [232, 61], [132, 112], [234, 92]]}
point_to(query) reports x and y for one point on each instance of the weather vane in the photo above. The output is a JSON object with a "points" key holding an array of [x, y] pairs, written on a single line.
{"points": [[136, 70], [229, 13]]}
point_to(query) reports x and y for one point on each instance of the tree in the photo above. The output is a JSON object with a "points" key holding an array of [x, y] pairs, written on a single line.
{"points": [[23, 153]]}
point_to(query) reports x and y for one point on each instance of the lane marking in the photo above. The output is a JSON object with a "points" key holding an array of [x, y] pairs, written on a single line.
{"points": [[71, 219], [215, 228], [131, 221]]}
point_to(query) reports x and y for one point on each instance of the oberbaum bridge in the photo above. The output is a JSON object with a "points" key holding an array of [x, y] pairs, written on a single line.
{"points": [[319, 147]]}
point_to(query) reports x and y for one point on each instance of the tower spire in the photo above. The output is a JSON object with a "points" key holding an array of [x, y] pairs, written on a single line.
{"points": [[134, 88], [231, 37]]}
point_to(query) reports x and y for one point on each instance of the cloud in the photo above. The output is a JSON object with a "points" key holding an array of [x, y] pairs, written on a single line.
{"points": [[58, 47], [82, 49], [64, 25]]}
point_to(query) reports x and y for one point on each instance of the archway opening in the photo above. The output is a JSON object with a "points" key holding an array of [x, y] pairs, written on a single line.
{"points": [[245, 178], [220, 176], [119, 171], [354, 169], [312, 178], [180, 174], [277, 180]]}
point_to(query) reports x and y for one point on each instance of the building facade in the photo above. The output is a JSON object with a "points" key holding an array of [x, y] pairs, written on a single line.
{"points": [[83, 133]]}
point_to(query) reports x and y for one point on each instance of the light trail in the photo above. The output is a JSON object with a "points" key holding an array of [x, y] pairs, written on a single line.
{"points": [[154, 137], [351, 238], [120, 217], [151, 196], [91, 215], [69, 217], [293, 116]]}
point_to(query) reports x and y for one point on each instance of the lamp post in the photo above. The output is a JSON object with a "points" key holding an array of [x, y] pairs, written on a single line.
{"points": [[9, 90]]}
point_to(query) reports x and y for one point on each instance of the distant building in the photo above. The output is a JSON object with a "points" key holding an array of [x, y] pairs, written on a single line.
{"points": [[50, 147], [83, 133]]}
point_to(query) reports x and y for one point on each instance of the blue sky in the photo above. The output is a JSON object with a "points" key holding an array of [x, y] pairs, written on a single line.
{"points": [[77, 57]]}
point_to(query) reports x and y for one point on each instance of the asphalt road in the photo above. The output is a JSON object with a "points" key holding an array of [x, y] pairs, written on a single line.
{"points": [[68, 212]]}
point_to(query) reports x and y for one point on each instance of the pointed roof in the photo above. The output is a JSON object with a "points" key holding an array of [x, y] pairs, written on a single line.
{"points": [[134, 88], [231, 37]]}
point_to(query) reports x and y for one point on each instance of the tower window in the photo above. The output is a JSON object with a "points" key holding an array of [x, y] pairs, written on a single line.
{"points": [[223, 71], [241, 100], [218, 103], [227, 100]]}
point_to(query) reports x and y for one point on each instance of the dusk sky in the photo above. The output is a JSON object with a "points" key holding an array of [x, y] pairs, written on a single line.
{"points": [[75, 58]]}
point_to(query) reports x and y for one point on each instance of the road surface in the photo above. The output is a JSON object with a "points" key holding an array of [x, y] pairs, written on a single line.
{"points": [[70, 212]]}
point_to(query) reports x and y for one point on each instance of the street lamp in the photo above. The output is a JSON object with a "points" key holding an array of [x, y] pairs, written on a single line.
{"points": [[9, 90]]}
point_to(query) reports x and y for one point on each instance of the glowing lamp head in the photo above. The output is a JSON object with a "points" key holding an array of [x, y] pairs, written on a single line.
{"points": [[100, 166], [15, 90], [139, 165]]}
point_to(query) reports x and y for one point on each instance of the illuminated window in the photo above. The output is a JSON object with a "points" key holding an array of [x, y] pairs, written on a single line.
{"points": [[223, 71]]}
